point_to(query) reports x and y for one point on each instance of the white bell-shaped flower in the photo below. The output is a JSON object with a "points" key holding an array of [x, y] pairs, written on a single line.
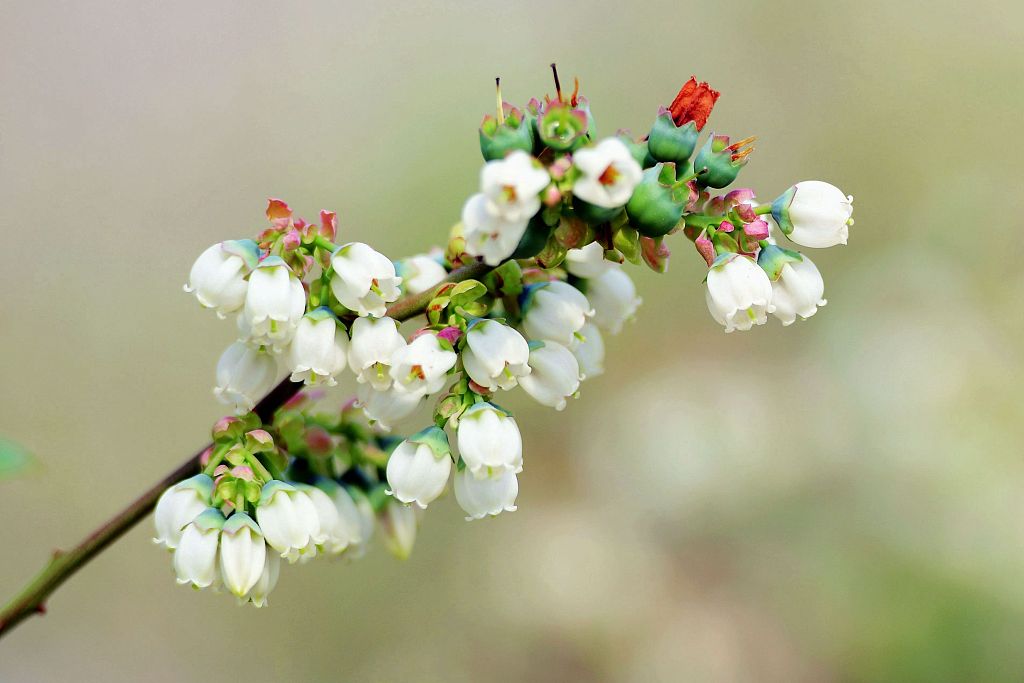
{"points": [[319, 350], [608, 174], [554, 376], [513, 185], [356, 511], [798, 291], [218, 276], [374, 341], [257, 595], [364, 280], [491, 495], [588, 348], [495, 355], [814, 214], [398, 525], [333, 529], [587, 261], [274, 303], [385, 409], [489, 441], [179, 505], [195, 559], [419, 467], [421, 368], [554, 311], [612, 295], [420, 273], [739, 293], [244, 374], [489, 234], [243, 554], [289, 521]]}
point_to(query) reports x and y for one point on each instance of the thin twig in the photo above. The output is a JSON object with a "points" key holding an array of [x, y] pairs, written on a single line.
{"points": [[32, 598]]}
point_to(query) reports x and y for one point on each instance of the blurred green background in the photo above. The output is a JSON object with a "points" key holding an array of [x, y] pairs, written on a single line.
{"points": [[836, 501]]}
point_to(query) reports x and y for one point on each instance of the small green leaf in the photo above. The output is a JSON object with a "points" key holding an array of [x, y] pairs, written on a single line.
{"points": [[13, 458]]}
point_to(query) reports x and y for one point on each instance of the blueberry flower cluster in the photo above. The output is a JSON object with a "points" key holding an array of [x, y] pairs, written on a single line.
{"points": [[558, 217]]}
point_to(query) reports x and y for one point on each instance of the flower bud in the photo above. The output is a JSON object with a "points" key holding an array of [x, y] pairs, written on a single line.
{"points": [[492, 495], [608, 174], [497, 139], [374, 342], [718, 163], [319, 350], [364, 280], [398, 524], [670, 142], [244, 375], [613, 297], [419, 467], [421, 368], [657, 203], [195, 559], [274, 303], [289, 521], [738, 293], [179, 505], [489, 441], [243, 554], [814, 214], [385, 409], [495, 355], [218, 275], [554, 311], [588, 348], [420, 273], [554, 376]]}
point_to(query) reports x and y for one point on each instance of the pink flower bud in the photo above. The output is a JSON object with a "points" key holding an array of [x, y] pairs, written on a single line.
{"points": [[450, 334], [705, 247], [756, 229]]}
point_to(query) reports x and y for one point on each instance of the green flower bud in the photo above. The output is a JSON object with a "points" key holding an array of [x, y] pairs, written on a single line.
{"points": [[499, 138], [657, 203], [669, 142], [718, 163]]}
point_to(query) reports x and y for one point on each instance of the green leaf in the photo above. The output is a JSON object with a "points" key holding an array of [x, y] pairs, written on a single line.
{"points": [[14, 459]]}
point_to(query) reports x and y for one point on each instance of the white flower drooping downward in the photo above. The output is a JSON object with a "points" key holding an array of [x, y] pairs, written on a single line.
{"points": [[554, 311], [364, 280], [491, 495], [195, 560], [495, 356], [333, 529], [374, 342], [319, 350], [218, 275], [179, 505], [739, 293], [421, 368], [494, 220], [257, 595], [398, 525], [608, 174], [489, 441], [289, 521], [243, 554], [613, 297], [587, 261], [244, 374], [555, 375], [798, 291], [814, 214], [419, 467], [589, 351], [385, 409], [420, 273], [274, 303]]}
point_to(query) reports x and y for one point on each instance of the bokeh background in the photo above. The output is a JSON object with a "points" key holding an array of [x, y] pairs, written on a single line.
{"points": [[841, 500]]}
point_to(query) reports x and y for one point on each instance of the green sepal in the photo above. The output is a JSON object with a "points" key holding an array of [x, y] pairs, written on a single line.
{"points": [[780, 210], [627, 241], [535, 344], [773, 258], [505, 280], [533, 240], [271, 488], [724, 243], [562, 128], [200, 483], [669, 142], [657, 206], [247, 250], [498, 139], [435, 439], [272, 261], [717, 169], [240, 520], [485, 405], [209, 519], [324, 313]]}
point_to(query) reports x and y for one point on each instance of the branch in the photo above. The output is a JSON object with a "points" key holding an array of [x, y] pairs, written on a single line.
{"points": [[31, 600]]}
